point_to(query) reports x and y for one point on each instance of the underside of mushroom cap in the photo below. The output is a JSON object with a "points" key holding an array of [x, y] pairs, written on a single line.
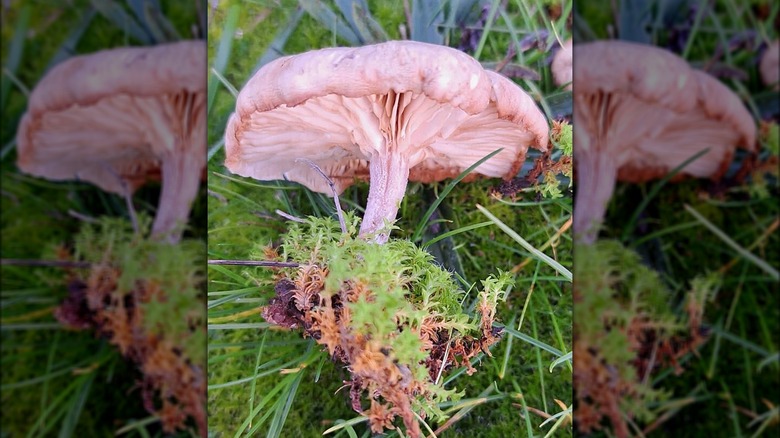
{"points": [[111, 115], [340, 107]]}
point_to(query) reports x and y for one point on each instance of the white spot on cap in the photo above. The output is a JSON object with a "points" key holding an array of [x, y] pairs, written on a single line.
{"points": [[302, 81], [473, 81], [444, 80], [682, 80]]}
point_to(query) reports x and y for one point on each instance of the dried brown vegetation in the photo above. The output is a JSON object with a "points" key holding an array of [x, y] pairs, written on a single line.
{"points": [[172, 387], [606, 389], [544, 166], [391, 387]]}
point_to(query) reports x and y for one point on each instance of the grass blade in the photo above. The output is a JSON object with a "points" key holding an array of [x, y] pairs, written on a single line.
{"points": [[68, 48], [367, 26], [276, 49], [426, 17], [261, 405], [456, 232], [285, 402], [328, 19], [534, 342], [157, 24], [494, 7], [118, 16], [223, 51], [447, 189], [654, 191], [763, 265], [341, 424], [15, 51], [76, 407], [527, 246], [137, 425], [560, 360], [230, 87]]}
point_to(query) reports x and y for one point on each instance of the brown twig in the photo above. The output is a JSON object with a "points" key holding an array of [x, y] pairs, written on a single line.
{"points": [[82, 217], [127, 194], [50, 263], [222, 199], [290, 217], [254, 263], [768, 232], [565, 227], [332, 185]]}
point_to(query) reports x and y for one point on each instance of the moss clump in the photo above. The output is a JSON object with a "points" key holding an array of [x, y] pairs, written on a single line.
{"points": [[625, 329], [387, 312], [145, 297]]}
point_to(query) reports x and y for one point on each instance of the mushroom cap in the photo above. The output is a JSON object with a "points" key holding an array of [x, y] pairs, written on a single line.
{"points": [[770, 65], [659, 111], [114, 113], [562, 66], [339, 107]]}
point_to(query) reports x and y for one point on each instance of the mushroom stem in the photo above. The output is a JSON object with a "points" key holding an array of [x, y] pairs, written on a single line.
{"points": [[389, 175], [180, 181], [596, 175]]}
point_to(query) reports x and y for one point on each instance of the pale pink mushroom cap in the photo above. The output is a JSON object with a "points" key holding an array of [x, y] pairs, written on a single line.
{"points": [[640, 112], [397, 110], [770, 65], [562, 66], [115, 117]]}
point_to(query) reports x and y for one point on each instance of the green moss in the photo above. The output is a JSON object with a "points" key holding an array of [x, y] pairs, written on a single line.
{"points": [[177, 314], [626, 326], [407, 294]]}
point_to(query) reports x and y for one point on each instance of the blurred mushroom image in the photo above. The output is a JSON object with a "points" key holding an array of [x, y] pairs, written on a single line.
{"points": [[770, 65], [641, 111], [117, 117], [390, 113], [562, 66]]}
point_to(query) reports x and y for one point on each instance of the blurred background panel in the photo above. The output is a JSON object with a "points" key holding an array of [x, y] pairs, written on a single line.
{"points": [[264, 380], [676, 247], [103, 264]]}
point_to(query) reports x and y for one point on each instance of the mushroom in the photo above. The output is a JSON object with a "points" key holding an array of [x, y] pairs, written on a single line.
{"points": [[770, 65], [561, 65], [389, 112], [641, 111], [116, 118]]}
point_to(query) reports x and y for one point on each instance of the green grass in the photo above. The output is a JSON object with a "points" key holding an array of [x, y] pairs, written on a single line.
{"points": [[697, 228], [58, 381], [264, 380]]}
